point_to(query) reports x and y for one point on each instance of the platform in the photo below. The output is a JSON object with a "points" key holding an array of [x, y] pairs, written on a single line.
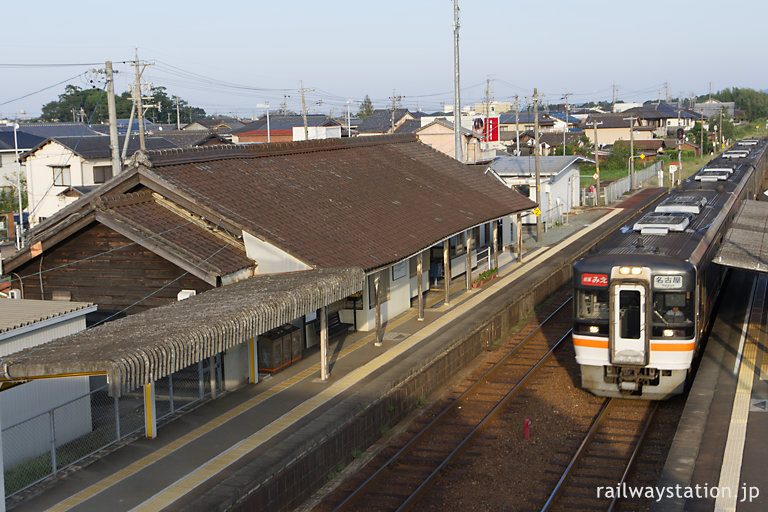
{"points": [[220, 453], [717, 459]]}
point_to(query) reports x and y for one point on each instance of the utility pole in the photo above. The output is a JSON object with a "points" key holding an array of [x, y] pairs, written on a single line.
{"points": [[565, 130], [679, 158], [666, 92], [178, 114], [595, 124], [517, 127], [138, 100], [395, 101], [631, 150], [284, 104], [302, 90], [457, 151], [538, 168], [113, 142], [269, 136], [349, 122], [487, 108], [613, 101]]}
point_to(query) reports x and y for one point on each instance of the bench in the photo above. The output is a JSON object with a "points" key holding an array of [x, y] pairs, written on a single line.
{"points": [[335, 325]]}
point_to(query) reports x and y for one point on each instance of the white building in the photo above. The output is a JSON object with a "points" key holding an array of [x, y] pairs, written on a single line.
{"points": [[559, 182], [24, 408]]}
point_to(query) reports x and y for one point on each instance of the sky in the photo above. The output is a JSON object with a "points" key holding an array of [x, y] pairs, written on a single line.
{"points": [[235, 57]]}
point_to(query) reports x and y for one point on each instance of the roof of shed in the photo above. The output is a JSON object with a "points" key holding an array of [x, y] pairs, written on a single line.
{"points": [[15, 314], [146, 347]]}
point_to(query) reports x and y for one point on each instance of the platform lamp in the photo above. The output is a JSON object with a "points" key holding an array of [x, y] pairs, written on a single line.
{"points": [[20, 227]]}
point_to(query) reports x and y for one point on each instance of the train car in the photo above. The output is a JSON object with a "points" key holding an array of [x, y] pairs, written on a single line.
{"points": [[643, 297]]}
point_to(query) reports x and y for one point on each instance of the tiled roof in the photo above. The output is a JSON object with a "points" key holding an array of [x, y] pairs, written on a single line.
{"points": [[355, 202], [525, 117], [98, 146], [140, 213], [526, 165], [25, 140], [409, 126], [286, 123], [381, 121], [47, 130]]}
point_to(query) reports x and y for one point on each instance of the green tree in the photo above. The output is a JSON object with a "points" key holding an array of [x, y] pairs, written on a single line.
{"points": [[91, 104], [366, 108]]}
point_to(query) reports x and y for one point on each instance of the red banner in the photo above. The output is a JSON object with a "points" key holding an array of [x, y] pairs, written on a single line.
{"points": [[594, 279]]}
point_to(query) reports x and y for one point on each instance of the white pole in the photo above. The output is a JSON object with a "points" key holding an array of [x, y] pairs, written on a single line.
{"points": [[20, 234], [269, 139]]}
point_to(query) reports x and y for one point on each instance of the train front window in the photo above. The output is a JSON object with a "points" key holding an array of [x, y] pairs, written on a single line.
{"points": [[673, 314], [592, 311]]}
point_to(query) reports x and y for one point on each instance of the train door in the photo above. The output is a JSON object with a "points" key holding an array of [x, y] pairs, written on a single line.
{"points": [[628, 332]]}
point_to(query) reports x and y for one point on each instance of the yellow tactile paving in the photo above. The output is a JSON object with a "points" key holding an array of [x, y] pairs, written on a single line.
{"points": [[730, 472], [173, 492]]}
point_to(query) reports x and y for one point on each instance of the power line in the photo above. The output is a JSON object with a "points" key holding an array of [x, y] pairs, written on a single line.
{"points": [[43, 89]]}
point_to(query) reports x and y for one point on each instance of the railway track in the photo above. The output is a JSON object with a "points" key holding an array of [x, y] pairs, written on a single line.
{"points": [[604, 458], [400, 481]]}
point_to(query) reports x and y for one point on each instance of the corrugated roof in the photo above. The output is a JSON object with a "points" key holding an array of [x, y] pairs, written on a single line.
{"points": [[15, 314], [526, 165], [146, 347]]}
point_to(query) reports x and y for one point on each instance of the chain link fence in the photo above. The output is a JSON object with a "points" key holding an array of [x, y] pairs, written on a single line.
{"points": [[44, 445]]}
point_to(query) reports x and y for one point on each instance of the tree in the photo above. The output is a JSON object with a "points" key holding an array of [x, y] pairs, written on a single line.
{"points": [[91, 105], [753, 103], [366, 108]]}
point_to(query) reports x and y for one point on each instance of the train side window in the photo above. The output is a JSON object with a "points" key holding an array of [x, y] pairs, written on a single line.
{"points": [[592, 304]]}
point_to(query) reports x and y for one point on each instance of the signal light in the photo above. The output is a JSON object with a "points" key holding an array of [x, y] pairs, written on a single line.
{"points": [[680, 134]]}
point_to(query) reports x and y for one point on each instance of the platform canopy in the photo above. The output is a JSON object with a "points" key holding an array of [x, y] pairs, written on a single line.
{"points": [[145, 347], [745, 244]]}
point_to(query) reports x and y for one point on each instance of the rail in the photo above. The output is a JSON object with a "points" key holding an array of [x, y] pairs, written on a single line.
{"points": [[357, 494]]}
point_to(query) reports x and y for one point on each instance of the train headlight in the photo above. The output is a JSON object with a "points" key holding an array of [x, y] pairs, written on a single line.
{"points": [[635, 271], [593, 329], [669, 333]]}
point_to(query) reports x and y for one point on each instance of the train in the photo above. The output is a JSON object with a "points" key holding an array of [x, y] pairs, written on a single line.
{"points": [[644, 296]]}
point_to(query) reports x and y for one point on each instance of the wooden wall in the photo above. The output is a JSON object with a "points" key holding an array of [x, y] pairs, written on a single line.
{"points": [[113, 281]]}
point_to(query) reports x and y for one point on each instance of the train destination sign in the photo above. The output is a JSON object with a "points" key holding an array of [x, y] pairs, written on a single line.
{"points": [[594, 279], [667, 282]]}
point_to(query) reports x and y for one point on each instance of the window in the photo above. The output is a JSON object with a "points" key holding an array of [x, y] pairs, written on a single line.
{"points": [[61, 176], [102, 173]]}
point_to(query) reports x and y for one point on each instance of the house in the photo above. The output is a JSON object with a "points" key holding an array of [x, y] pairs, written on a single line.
{"points": [[382, 121], [220, 214], [548, 142], [62, 169], [613, 127], [439, 135], [10, 146], [712, 108], [559, 176], [525, 121], [286, 129], [662, 117], [223, 126]]}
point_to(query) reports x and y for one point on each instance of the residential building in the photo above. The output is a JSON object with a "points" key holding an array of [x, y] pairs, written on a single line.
{"points": [[284, 128], [712, 108], [382, 121], [613, 127], [559, 177], [439, 135], [63, 169]]}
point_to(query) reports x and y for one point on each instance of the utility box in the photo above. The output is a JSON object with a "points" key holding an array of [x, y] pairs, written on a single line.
{"points": [[279, 348]]}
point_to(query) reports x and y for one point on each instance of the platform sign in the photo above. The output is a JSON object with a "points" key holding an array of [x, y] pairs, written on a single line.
{"points": [[672, 168], [595, 176]]}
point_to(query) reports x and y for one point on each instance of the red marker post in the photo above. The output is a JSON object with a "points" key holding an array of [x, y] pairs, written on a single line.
{"points": [[527, 428]]}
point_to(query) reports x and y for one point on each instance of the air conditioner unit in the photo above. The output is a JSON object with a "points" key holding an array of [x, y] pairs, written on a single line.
{"points": [[185, 294], [14, 294]]}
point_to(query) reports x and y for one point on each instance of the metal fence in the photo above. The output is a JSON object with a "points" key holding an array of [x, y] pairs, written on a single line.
{"points": [[43, 445], [616, 190]]}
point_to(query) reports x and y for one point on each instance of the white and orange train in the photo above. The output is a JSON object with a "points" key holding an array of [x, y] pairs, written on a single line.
{"points": [[644, 296]]}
